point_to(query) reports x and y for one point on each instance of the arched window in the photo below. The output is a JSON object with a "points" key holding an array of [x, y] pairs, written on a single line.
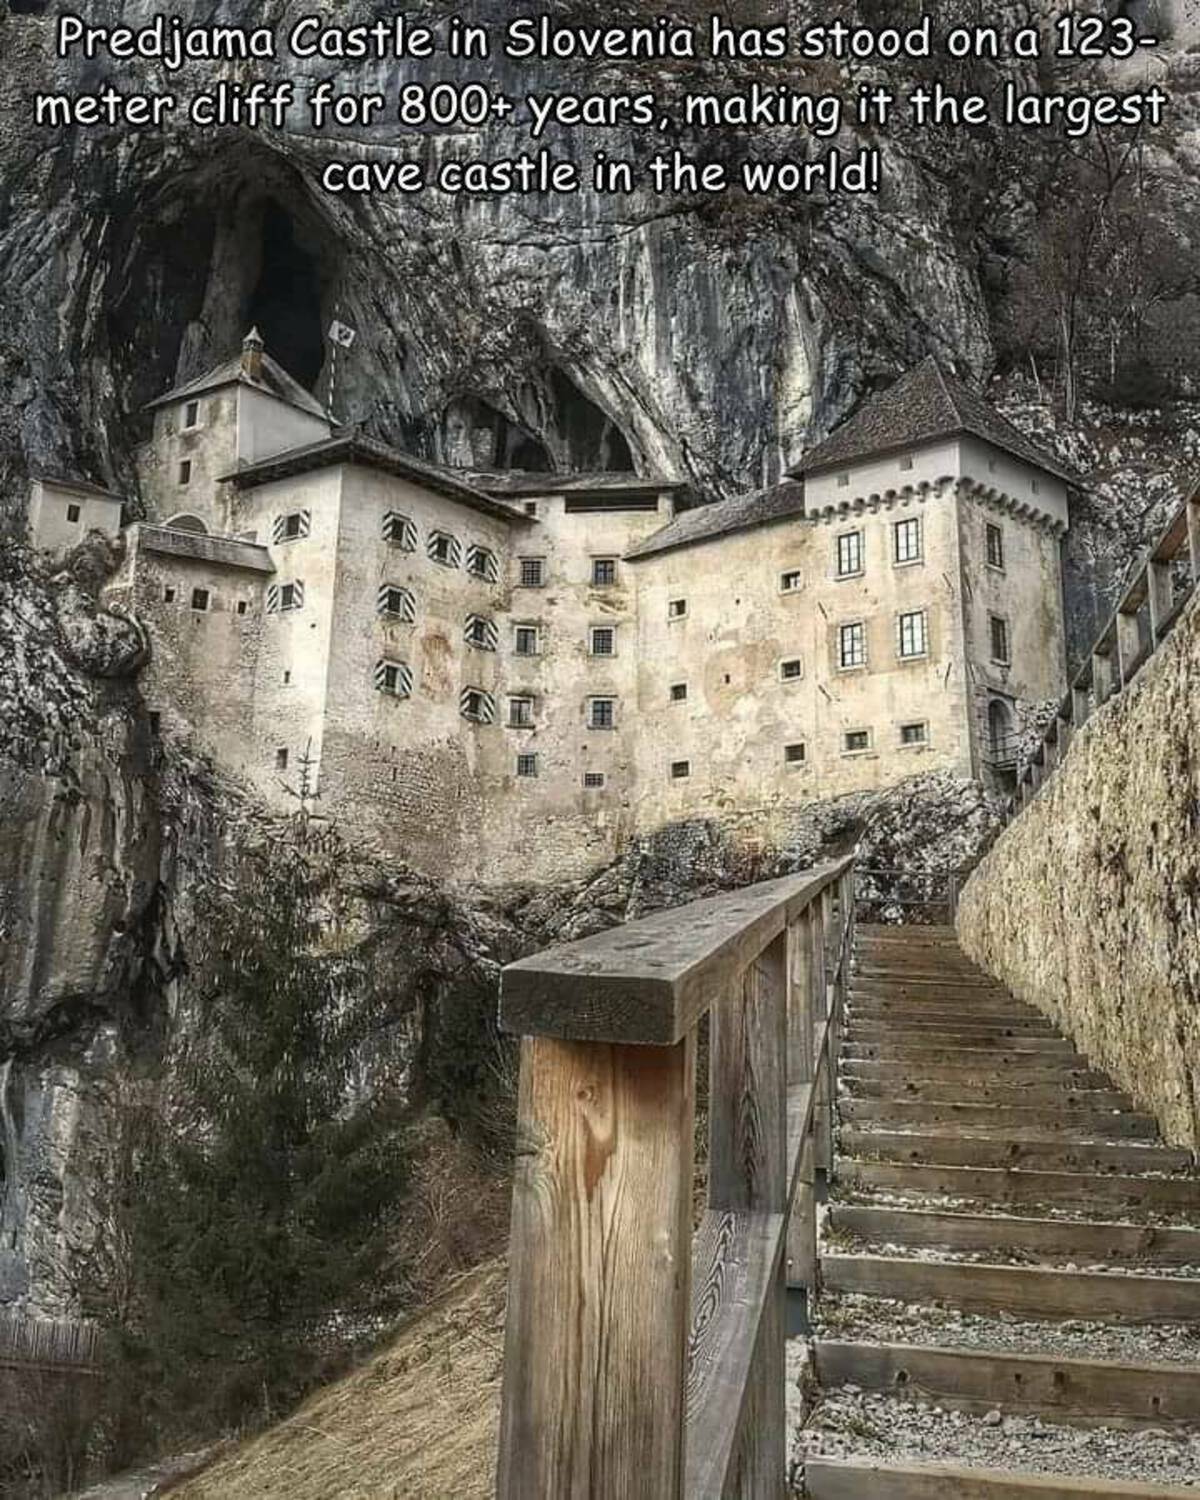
{"points": [[1000, 733], [184, 522]]}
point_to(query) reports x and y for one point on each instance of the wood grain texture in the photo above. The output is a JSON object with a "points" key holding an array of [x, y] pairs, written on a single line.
{"points": [[1061, 1390], [961, 1034], [952, 1150], [1026, 1052], [1099, 1124], [923, 1014], [599, 1273], [1022, 1291], [862, 1479], [800, 1004], [973, 1073], [943, 1091], [650, 981], [1005, 1185], [802, 1226]]}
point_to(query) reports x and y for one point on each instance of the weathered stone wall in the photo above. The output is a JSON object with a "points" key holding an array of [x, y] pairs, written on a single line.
{"points": [[1088, 906]]}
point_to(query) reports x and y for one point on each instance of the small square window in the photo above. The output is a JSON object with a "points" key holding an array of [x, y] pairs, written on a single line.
{"points": [[527, 765], [856, 741], [913, 635], [168, 595], [155, 723], [481, 563], [680, 770], [281, 759], [593, 780], [444, 549], [527, 641], [995, 546], [676, 609], [906, 462], [393, 678], [291, 596], [533, 572], [241, 606], [791, 670], [73, 513], [191, 415], [998, 631], [795, 755], [679, 692], [200, 600], [906, 541], [852, 646], [604, 640], [602, 713], [520, 713], [531, 508], [399, 531], [604, 572], [791, 582], [477, 706], [185, 471], [843, 481], [850, 554], [914, 734]]}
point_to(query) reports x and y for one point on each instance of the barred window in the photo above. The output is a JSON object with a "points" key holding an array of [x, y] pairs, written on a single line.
{"points": [[914, 734], [906, 544], [593, 780], [856, 741], [795, 755], [604, 640], [533, 572], [293, 527], [481, 563], [604, 572], [791, 670], [850, 554], [852, 645], [396, 603], [527, 765], [913, 634], [444, 549], [393, 678], [477, 706], [399, 531], [481, 633], [200, 600]]}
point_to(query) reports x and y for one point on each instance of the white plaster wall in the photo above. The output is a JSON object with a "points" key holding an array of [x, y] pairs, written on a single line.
{"points": [[212, 449], [1019, 481], [880, 476], [267, 426], [49, 528]]}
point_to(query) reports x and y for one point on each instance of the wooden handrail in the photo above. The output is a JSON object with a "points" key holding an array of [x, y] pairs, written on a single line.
{"points": [[1123, 647], [642, 1358]]}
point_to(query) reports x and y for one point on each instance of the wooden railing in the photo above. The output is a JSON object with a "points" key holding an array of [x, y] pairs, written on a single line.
{"points": [[48, 1344], [643, 1359], [1149, 606]]}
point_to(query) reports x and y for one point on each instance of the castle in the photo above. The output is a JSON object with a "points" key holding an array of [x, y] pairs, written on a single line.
{"points": [[506, 676]]}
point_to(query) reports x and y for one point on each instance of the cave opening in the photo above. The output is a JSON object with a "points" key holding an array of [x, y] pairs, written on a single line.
{"points": [[285, 304], [592, 438]]}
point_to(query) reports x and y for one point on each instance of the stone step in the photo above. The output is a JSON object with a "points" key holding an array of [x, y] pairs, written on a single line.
{"points": [[1097, 1124], [947, 1149], [1042, 1072], [1017, 1291], [1065, 1239], [1081, 1391], [934, 1091], [1023, 1185], [879, 1479]]}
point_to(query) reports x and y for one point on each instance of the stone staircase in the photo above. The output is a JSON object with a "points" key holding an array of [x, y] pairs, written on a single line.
{"points": [[1010, 1258]]}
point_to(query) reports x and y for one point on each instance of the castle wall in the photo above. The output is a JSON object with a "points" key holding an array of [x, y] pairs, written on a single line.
{"points": [[51, 505], [211, 450], [927, 465], [267, 426]]}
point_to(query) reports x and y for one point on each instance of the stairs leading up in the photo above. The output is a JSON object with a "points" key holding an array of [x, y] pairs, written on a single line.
{"points": [[1010, 1258]]}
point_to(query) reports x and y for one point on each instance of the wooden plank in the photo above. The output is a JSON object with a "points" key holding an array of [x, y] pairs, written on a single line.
{"points": [[868, 1479], [1071, 1239], [948, 1150], [1004, 1185], [735, 1274], [1022, 1291], [872, 1034], [800, 1006], [929, 1013], [650, 981], [598, 1299], [917, 1054], [945, 1091], [974, 1073], [981, 1380], [1104, 1125], [802, 1260]]}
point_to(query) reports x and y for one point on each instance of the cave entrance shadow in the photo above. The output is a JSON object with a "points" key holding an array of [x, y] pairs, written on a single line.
{"points": [[285, 304]]}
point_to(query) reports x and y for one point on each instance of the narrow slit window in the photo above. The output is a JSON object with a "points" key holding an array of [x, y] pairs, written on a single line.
{"points": [[185, 471]]}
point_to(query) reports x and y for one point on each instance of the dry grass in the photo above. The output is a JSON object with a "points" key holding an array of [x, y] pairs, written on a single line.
{"points": [[419, 1420]]}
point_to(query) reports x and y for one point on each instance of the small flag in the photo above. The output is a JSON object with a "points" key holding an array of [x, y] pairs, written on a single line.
{"points": [[341, 334]]}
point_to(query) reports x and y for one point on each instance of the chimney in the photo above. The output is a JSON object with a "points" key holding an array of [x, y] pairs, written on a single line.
{"points": [[252, 355]]}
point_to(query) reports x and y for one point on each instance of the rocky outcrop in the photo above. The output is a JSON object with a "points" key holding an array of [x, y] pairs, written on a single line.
{"points": [[1089, 904]]}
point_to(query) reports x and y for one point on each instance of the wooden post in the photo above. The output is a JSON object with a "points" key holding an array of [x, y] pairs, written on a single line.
{"points": [[1102, 677], [1129, 644], [823, 1104], [1066, 731], [1158, 582], [802, 1228], [802, 1220], [1193, 530], [599, 1273], [1081, 705]]}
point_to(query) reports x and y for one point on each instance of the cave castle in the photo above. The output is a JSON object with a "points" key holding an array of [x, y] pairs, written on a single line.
{"points": [[507, 676]]}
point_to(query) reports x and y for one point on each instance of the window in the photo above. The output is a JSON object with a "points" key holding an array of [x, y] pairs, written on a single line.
{"points": [[481, 633], [850, 554], [604, 640], [481, 563], [242, 606], [281, 759], [399, 531], [593, 781], [200, 599], [856, 741], [604, 572], [395, 602], [155, 723], [533, 572], [995, 546], [168, 595], [906, 541], [791, 670], [393, 678], [73, 513], [520, 713], [527, 765], [914, 734], [791, 582], [913, 634], [998, 629], [527, 640], [795, 755], [284, 596], [477, 706], [906, 462], [287, 678], [191, 415], [679, 692], [444, 549], [1035, 486], [292, 527], [185, 471], [530, 507], [602, 713], [676, 609], [680, 770], [843, 481], [852, 645]]}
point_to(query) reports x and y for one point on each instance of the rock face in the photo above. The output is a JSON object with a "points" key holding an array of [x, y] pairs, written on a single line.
{"points": [[1112, 956]]}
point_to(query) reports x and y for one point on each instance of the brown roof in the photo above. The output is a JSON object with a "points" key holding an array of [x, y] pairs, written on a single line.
{"points": [[779, 502], [923, 405], [274, 381], [518, 482]]}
